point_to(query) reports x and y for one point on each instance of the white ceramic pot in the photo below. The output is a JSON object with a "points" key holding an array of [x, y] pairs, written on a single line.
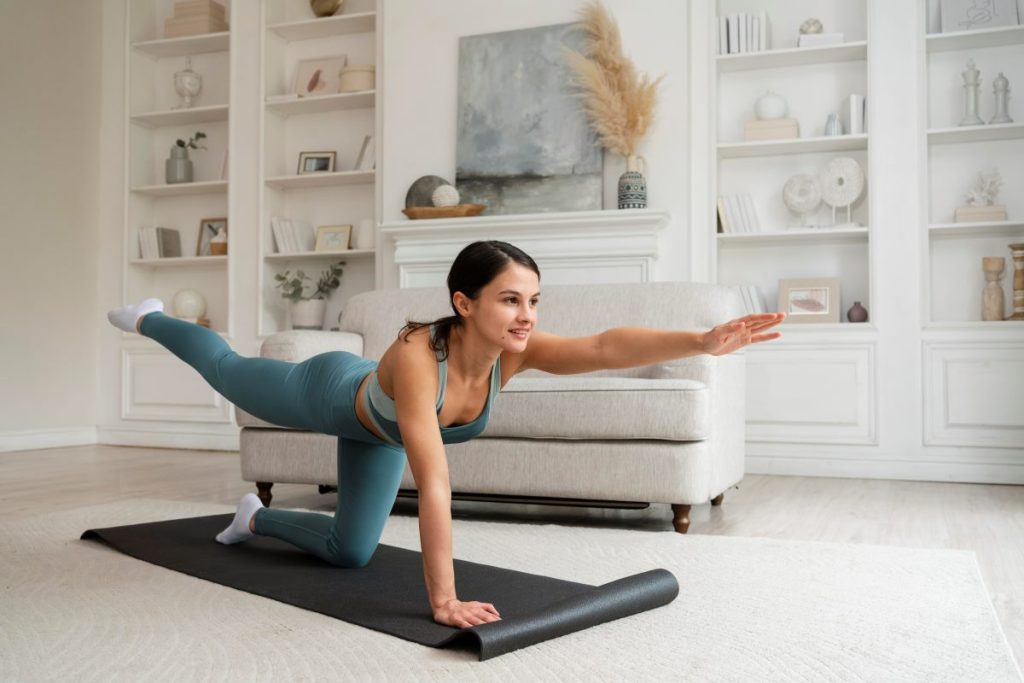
{"points": [[357, 77], [308, 314], [771, 106]]}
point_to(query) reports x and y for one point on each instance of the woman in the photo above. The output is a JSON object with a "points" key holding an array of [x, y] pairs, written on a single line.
{"points": [[434, 385]]}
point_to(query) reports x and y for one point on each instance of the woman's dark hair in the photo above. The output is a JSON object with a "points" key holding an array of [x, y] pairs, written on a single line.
{"points": [[475, 266]]}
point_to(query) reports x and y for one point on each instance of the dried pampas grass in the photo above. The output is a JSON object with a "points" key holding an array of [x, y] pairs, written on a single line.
{"points": [[619, 104]]}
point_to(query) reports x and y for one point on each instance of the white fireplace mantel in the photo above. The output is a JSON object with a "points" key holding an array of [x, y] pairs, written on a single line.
{"points": [[571, 247]]}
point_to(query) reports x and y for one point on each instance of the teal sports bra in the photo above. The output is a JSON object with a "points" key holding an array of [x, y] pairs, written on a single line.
{"points": [[381, 408]]}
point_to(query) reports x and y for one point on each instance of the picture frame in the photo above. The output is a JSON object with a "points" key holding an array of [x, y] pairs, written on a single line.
{"points": [[318, 76], [333, 238], [316, 162], [208, 229], [810, 300], [970, 15]]}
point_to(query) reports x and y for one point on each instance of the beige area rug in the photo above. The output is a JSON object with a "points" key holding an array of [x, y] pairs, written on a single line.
{"points": [[748, 609]]}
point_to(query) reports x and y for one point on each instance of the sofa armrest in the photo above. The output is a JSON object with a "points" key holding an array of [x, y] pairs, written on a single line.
{"points": [[298, 345], [725, 377]]}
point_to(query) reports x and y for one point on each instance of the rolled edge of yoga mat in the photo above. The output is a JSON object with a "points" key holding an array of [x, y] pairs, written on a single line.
{"points": [[614, 600]]}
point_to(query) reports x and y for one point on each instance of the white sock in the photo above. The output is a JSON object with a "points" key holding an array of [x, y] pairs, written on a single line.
{"points": [[238, 530], [126, 316]]}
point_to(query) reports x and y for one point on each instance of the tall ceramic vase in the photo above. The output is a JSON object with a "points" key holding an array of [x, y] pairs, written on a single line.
{"points": [[633, 185]]}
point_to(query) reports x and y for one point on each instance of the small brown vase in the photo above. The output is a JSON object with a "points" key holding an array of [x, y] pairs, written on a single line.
{"points": [[857, 313]]}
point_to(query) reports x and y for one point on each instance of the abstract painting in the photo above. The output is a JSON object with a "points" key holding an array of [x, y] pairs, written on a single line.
{"points": [[524, 144]]}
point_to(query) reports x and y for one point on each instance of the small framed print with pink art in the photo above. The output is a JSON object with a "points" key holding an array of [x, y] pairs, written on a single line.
{"points": [[810, 300]]}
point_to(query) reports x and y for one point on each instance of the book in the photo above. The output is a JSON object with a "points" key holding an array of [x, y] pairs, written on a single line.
{"points": [[734, 33], [723, 36], [771, 129], [732, 207], [747, 203], [168, 242], [851, 114], [762, 27], [367, 159], [198, 7], [179, 28], [723, 218], [277, 232], [980, 214], [819, 39]]}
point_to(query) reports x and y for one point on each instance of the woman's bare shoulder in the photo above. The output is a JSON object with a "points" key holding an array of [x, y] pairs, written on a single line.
{"points": [[410, 355]]}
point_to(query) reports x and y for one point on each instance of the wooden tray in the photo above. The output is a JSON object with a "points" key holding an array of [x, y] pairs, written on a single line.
{"points": [[457, 211]]}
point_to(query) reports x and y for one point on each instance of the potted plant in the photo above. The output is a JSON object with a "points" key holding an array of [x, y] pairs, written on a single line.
{"points": [[308, 311], [178, 168]]}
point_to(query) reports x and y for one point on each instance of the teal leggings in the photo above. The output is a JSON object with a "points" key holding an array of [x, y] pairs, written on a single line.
{"points": [[319, 395]]}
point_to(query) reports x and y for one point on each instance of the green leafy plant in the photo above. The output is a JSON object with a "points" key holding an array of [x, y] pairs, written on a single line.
{"points": [[293, 286], [200, 135]]}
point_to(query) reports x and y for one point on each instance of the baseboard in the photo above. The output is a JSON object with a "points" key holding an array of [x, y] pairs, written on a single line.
{"points": [[907, 470], [121, 436], [36, 439]]}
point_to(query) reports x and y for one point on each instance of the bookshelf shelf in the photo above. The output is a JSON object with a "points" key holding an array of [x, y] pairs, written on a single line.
{"points": [[957, 134], [969, 40], [318, 255], [985, 228], [796, 56], [806, 235], [188, 45], [836, 143], [178, 189], [179, 117], [321, 179], [180, 261], [362, 22], [323, 103]]}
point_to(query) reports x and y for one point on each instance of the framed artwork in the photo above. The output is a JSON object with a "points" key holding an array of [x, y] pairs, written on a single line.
{"points": [[333, 238], [319, 76], [969, 15], [810, 300], [316, 162], [208, 229]]}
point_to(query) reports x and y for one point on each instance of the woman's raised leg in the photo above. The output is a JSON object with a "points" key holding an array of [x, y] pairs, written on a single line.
{"points": [[368, 479], [283, 393]]}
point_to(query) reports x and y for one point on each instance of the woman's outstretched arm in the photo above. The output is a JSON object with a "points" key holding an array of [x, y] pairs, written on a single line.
{"points": [[629, 347]]}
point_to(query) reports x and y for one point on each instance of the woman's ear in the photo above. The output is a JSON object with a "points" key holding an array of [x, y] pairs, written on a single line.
{"points": [[461, 303]]}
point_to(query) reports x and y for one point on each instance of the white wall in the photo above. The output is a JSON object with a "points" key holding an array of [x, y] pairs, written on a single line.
{"points": [[421, 48], [50, 78]]}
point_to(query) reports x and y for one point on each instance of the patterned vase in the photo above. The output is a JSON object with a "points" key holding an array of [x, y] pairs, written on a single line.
{"points": [[632, 185]]}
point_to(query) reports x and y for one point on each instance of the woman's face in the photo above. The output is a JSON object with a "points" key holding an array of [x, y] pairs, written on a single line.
{"points": [[506, 311]]}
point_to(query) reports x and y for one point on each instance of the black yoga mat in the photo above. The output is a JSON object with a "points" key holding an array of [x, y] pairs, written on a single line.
{"points": [[388, 594]]}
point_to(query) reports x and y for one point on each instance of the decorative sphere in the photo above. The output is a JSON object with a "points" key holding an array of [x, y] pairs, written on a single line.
{"points": [[771, 106], [812, 25], [188, 303], [445, 195]]}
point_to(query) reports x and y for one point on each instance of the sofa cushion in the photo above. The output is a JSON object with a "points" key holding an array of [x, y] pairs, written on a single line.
{"points": [[594, 407], [589, 407]]}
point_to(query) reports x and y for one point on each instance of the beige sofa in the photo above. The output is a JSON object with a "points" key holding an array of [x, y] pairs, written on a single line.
{"points": [[667, 433]]}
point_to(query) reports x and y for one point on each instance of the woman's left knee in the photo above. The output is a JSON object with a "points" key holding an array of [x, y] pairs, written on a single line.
{"points": [[350, 558]]}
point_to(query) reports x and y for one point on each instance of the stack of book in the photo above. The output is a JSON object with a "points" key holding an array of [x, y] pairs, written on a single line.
{"points": [[292, 236], [819, 39], [741, 32], [753, 300], [195, 17], [736, 213], [771, 129], [980, 214], [159, 242]]}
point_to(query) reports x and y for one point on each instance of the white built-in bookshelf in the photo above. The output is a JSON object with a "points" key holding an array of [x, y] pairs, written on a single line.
{"points": [[153, 121], [952, 251], [335, 123], [814, 81]]}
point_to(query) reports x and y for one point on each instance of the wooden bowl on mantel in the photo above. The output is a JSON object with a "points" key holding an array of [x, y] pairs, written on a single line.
{"points": [[457, 211]]}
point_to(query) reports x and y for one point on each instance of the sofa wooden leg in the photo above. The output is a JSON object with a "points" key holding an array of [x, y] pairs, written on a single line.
{"points": [[263, 487], [681, 518], [717, 500]]}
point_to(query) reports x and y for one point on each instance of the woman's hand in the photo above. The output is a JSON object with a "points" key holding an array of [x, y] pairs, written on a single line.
{"points": [[465, 614], [736, 334]]}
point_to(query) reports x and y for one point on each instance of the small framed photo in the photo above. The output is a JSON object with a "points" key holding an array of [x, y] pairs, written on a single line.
{"points": [[333, 238], [208, 229], [810, 300], [319, 76], [970, 15], [316, 162]]}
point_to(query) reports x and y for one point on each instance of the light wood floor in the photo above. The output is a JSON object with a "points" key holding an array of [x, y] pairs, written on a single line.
{"points": [[986, 519]]}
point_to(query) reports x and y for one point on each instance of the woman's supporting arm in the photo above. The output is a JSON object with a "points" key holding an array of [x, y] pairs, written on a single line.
{"points": [[417, 421]]}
